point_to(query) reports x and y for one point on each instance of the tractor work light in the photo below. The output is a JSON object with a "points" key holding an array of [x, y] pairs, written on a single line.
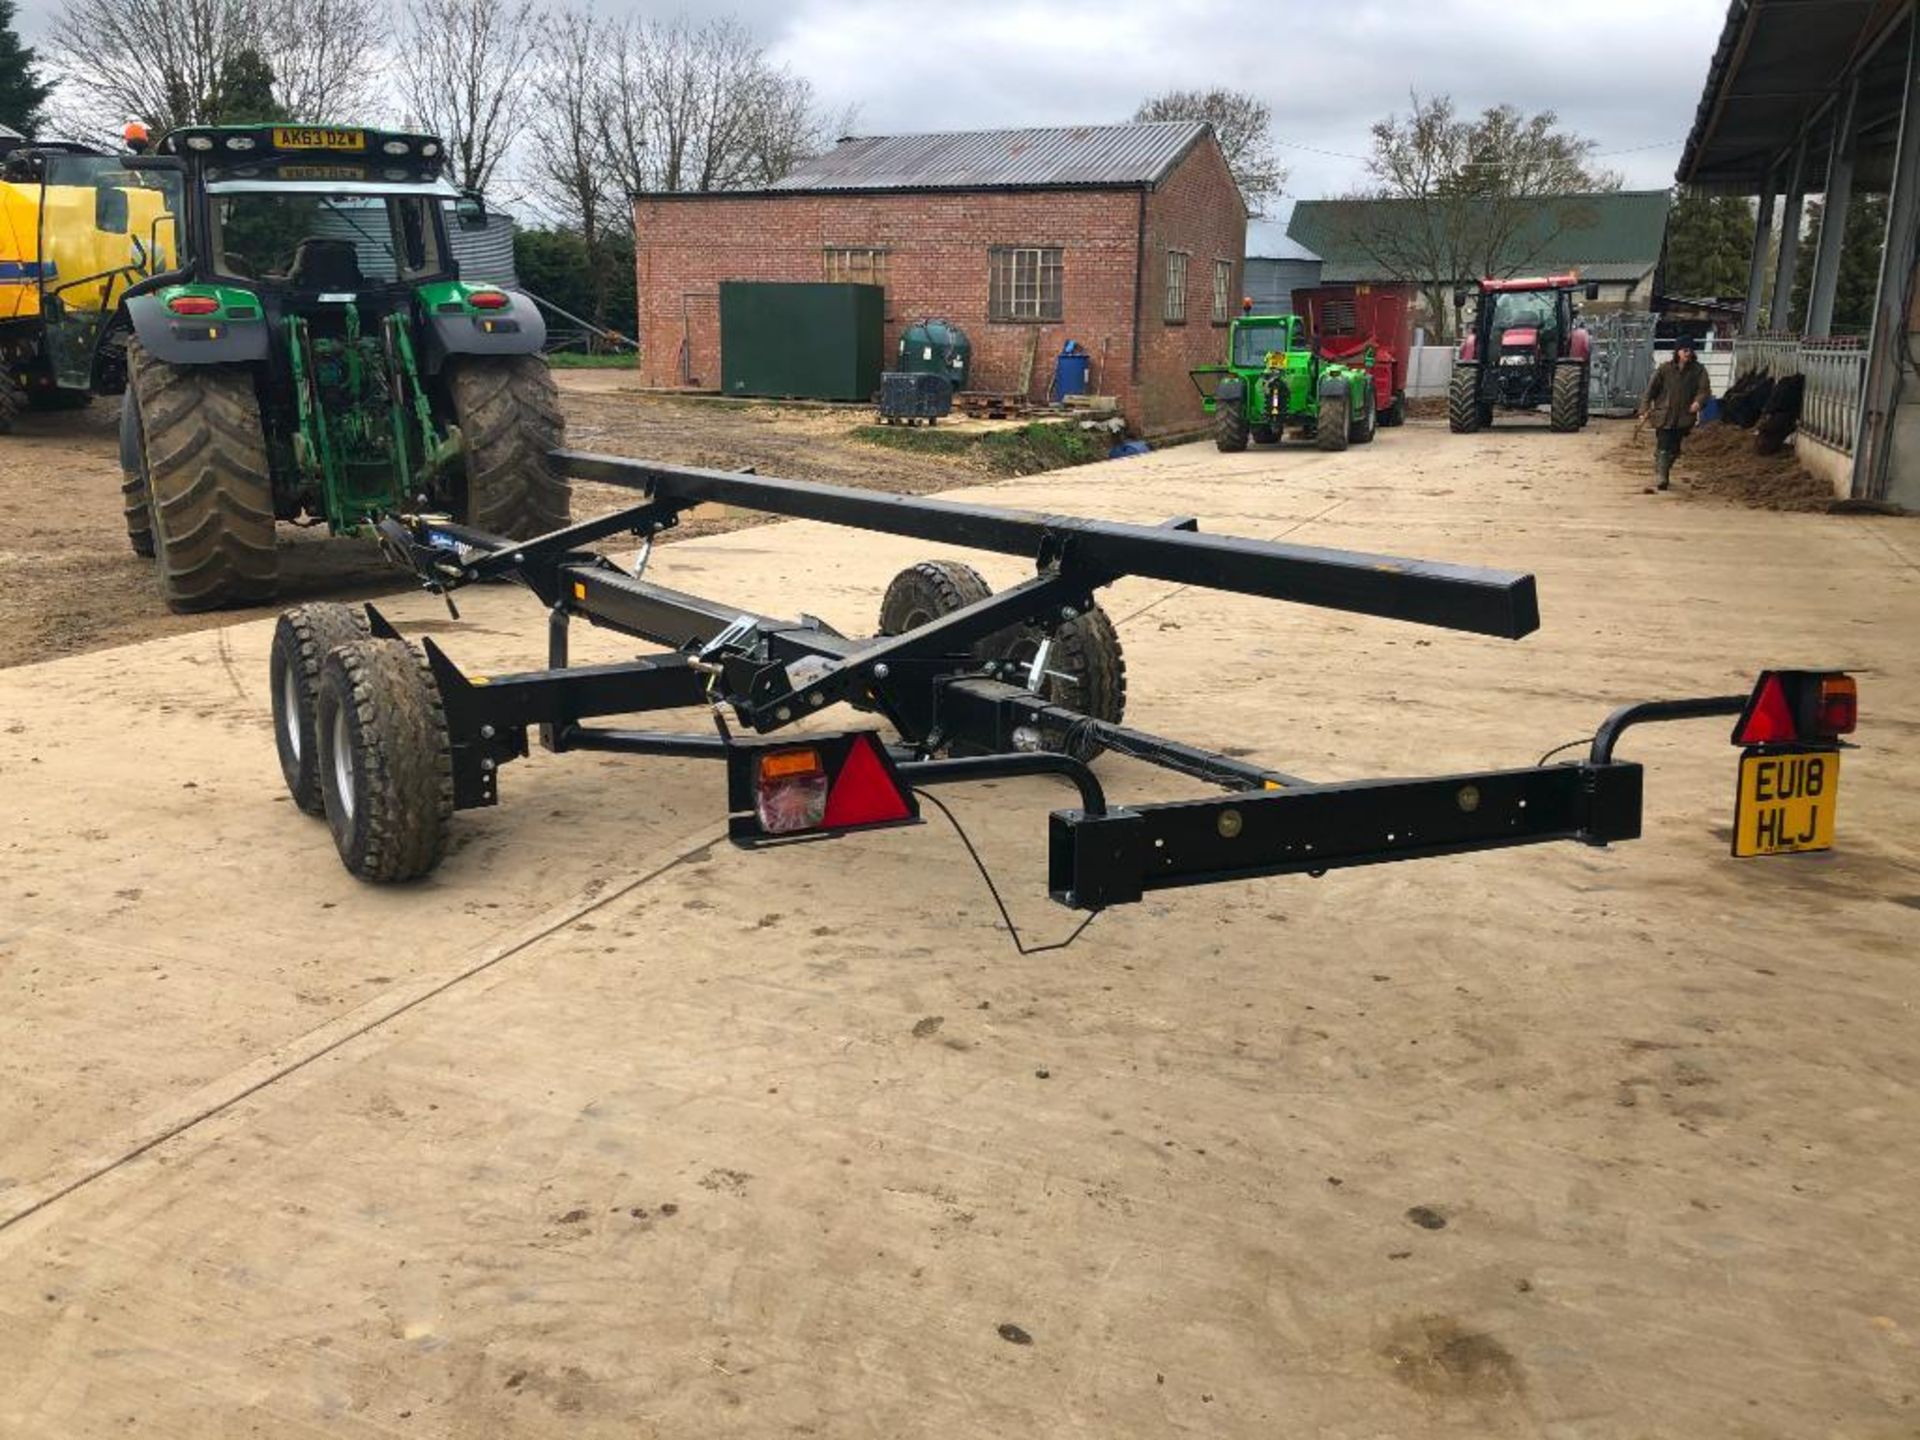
{"points": [[240, 142], [199, 142], [193, 304], [396, 147], [488, 299], [429, 149], [1794, 706]]}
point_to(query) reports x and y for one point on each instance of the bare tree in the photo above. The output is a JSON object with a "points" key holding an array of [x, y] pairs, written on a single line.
{"points": [[568, 167], [1454, 198], [1242, 123], [463, 73], [688, 107], [169, 64]]}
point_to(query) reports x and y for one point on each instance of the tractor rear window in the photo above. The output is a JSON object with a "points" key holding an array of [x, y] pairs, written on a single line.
{"points": [[321, 242]]}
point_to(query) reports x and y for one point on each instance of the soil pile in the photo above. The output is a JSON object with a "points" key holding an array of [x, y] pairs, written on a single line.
{"points": [[1719, 460]]}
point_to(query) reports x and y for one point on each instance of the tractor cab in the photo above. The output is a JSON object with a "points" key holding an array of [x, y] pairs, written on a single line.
{"points": [[1257, 339]]}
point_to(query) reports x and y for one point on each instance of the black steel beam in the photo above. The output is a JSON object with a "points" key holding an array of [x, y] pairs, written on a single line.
{"points": [[1457, 597], [1113, 858]]}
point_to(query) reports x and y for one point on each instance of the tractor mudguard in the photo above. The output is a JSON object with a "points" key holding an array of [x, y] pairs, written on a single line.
{"points": [[185, 340], [1230, 391], [1336, 385], [518, 330], [1580, 345]]}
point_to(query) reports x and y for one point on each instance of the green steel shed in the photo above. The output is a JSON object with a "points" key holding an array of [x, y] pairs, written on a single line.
{"points": [[801, 341]]}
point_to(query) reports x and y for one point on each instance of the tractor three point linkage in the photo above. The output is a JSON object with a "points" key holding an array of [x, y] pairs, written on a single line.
{"points": [[388, 740]]}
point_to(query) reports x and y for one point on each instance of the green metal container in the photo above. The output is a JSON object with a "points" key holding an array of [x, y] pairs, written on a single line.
{"points": [[810, 342]]}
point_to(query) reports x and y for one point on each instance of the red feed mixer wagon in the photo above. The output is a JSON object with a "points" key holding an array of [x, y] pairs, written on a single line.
{"points": [[1345, 320]]}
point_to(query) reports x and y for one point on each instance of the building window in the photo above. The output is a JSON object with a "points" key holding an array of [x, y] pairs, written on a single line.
{"points": [[856, 265], [1176, 313], [1222, 291], [1023, 283]]}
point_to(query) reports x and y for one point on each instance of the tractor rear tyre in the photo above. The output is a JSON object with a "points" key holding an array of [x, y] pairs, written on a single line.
{"points": [[1465, 413], [135, 508], [1230, 428], [508, 411], [209, 490], [302, 640], [1366, 422], [386, 767], [12, 401], [1331, 431], [1566, 413]]}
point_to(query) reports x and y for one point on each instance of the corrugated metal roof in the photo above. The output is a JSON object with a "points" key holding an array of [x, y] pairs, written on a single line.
{"points": [[1612, 236], [1098, 156]]}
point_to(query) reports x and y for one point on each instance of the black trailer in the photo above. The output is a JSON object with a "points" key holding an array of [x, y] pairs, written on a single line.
{"points": [[388, 741]]}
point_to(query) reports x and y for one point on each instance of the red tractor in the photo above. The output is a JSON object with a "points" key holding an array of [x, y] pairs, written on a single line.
{"points": [[1527, 349], [1345, 320]]}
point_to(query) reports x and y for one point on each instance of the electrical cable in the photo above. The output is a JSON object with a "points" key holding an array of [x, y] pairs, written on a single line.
{"points": [[994, 890], [1583, 740]]}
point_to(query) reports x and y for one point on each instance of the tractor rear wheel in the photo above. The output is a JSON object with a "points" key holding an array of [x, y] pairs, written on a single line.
{"points": [[386, 766], [508, 411], [303, 639], [1335, 418], [209, 488], [1465, 414], [12, 401], [135, 508], [1230, 428], [1569, 396]]}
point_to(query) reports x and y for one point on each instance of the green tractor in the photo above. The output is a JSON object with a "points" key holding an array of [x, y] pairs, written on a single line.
{"points": [[314, 356], [1276, 380]]}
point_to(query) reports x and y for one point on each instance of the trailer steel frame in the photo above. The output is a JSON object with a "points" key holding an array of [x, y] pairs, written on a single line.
{"points": [[961, 718]]}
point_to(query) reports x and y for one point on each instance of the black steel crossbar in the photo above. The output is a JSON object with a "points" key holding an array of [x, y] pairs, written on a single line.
{"points": [[1425, 592]]}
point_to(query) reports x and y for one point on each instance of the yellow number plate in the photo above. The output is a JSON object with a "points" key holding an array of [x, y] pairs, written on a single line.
{"points": [[1786, 803], [303, 138]]}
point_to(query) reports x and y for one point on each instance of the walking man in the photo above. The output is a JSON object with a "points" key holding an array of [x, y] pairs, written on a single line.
{"points": [[1675, 396]]}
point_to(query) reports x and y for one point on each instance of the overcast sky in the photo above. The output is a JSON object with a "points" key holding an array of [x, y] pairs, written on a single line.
{"points": [[1629, 80]]}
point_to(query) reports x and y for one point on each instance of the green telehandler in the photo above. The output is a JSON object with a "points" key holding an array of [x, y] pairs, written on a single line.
{"points": [[313, 355], [1275, 381]]}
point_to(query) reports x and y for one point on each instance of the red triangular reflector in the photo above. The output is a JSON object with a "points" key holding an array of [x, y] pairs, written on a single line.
{"points": [[864, 792], [1768, 719]]}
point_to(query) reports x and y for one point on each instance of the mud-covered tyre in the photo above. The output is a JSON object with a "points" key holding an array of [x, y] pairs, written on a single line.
{"points": [[209, 488], [1463, 400], [1331, 428], [386, 767], [1569, 398], [302, 640], [12, 401], [927, 591], [135, 507], [1230, 428], [1395, 414], [508, 411]]}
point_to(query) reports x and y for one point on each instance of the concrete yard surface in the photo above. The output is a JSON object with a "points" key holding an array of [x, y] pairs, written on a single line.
{"points": [[610, 1130]]}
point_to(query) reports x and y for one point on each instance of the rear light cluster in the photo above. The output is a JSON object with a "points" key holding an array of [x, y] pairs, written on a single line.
{"points": [[837, 782], [193, 305], [487, 299], [1792, 706]]}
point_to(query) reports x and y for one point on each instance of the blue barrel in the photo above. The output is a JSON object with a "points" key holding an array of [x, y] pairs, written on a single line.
{"points": [[1070, 371]]}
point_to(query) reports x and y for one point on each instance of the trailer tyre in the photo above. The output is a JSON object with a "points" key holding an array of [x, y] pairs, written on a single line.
{"points": [[508, 411], [1464, 412], [302, 640], [209, 489], [1569, 398], [1230, 428], [1395, 414], [924, 592], [386, 766], [1085, 670], [1331, 431]]}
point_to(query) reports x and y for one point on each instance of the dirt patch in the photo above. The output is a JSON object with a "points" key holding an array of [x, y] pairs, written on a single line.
{"points": [[1719, 461], [73, 584]]}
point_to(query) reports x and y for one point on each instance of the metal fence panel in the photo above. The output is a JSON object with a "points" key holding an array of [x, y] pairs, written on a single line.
{"points": [[1622, 360], [1835, 372]]}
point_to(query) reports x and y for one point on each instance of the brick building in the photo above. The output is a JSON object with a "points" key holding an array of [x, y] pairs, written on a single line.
{"points": [[1126, 238]]}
